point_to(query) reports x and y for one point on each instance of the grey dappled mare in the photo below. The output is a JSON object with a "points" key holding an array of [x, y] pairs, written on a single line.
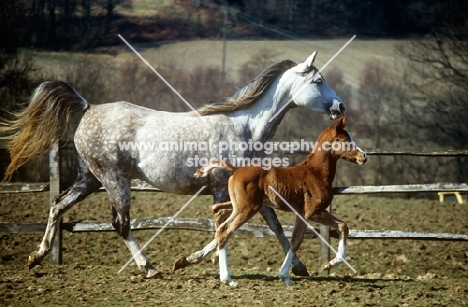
{"points": [[253, 113]]}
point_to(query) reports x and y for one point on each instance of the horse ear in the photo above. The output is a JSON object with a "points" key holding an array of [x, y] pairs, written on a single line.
{"points": [[310, 60], [339, 124], [305, 66]]}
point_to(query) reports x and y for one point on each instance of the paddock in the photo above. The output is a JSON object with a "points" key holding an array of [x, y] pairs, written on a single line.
{"points": [[418, 263], [249, 230]]}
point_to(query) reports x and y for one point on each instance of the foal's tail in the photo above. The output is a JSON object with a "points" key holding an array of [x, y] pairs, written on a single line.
{"points": [[206, 170], [46, 120]]}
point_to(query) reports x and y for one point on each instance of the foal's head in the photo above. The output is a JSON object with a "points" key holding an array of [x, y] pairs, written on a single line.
{"points": [[340, 144]]}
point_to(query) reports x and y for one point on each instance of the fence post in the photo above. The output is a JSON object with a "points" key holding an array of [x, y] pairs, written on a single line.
{"points": [[324, 253], [54, 190]]}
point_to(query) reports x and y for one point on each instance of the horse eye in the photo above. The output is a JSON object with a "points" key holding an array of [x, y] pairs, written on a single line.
{"points": [[318, 81]]}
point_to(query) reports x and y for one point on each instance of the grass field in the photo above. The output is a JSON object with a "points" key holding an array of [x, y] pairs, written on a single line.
{"points": [[189, 55], [390, 272]]}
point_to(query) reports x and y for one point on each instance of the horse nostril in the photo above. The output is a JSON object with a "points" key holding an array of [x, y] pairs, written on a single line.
{"points": [[342, 108]]}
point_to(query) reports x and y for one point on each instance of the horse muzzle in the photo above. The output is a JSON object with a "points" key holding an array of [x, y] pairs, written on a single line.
{"points": [[337, 109], [361, 158]]}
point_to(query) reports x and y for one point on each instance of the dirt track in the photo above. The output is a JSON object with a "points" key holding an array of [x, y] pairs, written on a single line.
{"points": [[390, 273]]}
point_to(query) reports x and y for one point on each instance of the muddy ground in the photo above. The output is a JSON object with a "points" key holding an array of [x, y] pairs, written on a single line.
{"points": [[389, 272]]}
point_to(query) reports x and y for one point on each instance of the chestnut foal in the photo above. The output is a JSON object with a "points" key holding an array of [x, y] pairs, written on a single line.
{"points": [[306, 187]]}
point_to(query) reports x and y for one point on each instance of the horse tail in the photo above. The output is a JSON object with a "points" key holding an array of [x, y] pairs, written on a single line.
{"points": [[206, 170], [47, 119]]}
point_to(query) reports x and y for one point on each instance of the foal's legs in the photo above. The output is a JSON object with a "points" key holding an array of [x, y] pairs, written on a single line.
{"points": [[297, 237], [327, 219], [225, 231], [220, 212], [270, 217], [85, 184]]}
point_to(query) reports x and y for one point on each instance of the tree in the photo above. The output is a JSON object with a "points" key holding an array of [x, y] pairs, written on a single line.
{"points": [[437, 79], [15, 65]]}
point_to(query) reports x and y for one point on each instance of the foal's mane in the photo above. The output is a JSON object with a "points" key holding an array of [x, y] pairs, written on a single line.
{"points": [[247, 95]]}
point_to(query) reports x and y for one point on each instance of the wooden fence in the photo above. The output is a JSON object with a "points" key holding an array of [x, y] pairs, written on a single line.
{"points": [[53, 187]]}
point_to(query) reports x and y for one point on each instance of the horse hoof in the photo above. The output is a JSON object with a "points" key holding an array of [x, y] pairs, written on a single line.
{"points": [[287, 282], [326, 266], [214, 258], [180, 262], [153, 273], [300, 270], [230, 283], [33, 260]]}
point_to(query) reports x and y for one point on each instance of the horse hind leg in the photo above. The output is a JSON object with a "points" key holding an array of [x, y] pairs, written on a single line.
{"points": [[244, 212], [221, 212], [85, 184], [120, 202]]}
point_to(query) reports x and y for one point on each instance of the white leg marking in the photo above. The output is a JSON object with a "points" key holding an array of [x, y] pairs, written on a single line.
{"points": [[198, 256], [138, 256], [224, 275], [341, 254], [210, 247], [284, 270]]}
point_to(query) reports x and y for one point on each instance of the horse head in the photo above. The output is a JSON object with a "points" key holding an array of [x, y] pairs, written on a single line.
{"points": [[310, 90], [339, 142]]}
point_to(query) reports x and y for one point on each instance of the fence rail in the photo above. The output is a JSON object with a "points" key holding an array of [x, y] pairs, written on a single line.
{"points": [[252, 230], [399, 152], [208, 225], [139, 186]]}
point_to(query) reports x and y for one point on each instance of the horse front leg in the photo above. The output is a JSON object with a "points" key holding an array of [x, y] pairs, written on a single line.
{"points": [[327, 219], [270, 217]]}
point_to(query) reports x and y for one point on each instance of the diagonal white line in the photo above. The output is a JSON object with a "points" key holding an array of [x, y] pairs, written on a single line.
{"points": [[162, 228], [161, 77], [336, 54], [319, 71], [310, 226]]}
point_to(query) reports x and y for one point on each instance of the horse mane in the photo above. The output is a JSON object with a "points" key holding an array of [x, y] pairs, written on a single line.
{"points": [[247, 95]]}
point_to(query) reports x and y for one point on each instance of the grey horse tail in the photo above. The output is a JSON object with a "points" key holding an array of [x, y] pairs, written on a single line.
{"points": [[205, 170], [49, 117]]}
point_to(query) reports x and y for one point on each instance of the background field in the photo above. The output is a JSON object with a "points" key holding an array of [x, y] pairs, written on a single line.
{"points": [[390, 272], [195, 54]]}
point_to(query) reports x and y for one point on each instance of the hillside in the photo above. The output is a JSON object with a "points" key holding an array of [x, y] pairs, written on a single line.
{"points": [[189, 55]]}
